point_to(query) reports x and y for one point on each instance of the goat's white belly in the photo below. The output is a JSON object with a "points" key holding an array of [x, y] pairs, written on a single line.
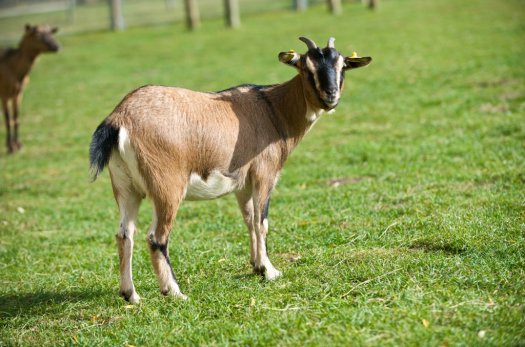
{"points": [[215, 185]]}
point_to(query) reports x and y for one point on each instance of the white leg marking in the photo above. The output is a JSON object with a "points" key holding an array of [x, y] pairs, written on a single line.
{"points": [[128, 210], [262, 260], [246, 206], [168, 285], [127, 287], [128, 201]]}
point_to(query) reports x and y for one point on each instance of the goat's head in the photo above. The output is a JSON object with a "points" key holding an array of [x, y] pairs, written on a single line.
{"points": [[322, 71], [40, 38]]}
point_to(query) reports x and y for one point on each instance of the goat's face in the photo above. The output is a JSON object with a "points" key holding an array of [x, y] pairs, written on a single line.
{"points": [[322, 71], [40, 38]]}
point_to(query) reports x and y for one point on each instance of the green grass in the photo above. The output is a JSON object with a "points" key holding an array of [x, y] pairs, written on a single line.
{"points": [[422, 243]]}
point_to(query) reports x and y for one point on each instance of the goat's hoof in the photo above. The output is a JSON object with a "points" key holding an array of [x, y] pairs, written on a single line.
{"points": [[134, 298], [259, 270], [181, 296], [130, 296], [178, 295], [268, 273], [272, 274]]}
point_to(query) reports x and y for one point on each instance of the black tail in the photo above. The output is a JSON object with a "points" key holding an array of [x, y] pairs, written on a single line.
{"points": [[104, 139]]}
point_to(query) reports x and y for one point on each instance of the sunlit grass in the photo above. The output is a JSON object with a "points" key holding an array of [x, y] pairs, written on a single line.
{"points": [[398, 221]]}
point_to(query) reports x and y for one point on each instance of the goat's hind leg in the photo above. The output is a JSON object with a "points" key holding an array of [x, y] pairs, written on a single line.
{"points": [[128, 210], [128, 201], [165, 211]]}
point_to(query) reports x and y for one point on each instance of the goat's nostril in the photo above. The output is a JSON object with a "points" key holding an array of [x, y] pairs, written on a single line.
{"points": [[331, 92]]}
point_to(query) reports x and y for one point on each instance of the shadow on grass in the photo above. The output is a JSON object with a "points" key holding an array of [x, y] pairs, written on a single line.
{"points": [[447, 247], [247, 276], [43, 302], [244, 275]]}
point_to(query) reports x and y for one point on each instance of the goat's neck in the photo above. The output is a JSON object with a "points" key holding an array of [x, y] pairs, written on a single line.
{"points": [[24, 58], [293, 110]]}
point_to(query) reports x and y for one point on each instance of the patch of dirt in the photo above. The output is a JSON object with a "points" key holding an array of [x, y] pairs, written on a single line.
{"points": [[492, 108], [496, 82], [337, 182], [511, 96], [291, 257], [438, 246]]}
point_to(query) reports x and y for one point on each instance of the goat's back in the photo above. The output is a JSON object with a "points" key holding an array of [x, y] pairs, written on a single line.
{"points": [[195, 131]]}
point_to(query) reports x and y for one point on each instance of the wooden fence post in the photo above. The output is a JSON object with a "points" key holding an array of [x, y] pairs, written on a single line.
{"points": [[300, 5], [116, 16], [335, 6], [193, 20], [373, 4], [231, 10]]}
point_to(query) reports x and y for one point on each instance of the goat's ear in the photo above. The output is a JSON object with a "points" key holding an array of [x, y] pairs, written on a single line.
{"points": [[356, 62], [30, 29], [289, 58], [54, 30]]}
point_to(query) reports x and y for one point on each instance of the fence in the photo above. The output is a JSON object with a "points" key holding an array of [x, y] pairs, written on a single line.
{"points": [[73, 16]]}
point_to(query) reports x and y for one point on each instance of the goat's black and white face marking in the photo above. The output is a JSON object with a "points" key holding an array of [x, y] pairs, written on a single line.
{"points": [[325, 71]]}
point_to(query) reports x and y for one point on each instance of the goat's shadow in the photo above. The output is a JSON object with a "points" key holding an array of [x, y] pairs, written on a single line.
{"points": [[43, 302], [245, 276]]}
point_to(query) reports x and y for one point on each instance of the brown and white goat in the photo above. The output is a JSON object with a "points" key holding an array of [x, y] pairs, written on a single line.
{"points": [[171, 144], [15, 65]]}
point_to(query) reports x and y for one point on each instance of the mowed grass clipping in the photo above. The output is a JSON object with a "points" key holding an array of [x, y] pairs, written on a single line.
{"points": [[399, 220]]}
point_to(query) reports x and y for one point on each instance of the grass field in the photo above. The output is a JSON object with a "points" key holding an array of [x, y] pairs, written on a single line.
{"points": [[400, 219]]}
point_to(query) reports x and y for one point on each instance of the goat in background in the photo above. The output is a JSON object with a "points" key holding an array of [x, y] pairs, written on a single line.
{"points": [[15, 65], [171, 144]]}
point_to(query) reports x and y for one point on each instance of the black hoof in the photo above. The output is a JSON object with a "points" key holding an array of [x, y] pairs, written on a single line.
{"points": [[259, 270], [126, 294]]}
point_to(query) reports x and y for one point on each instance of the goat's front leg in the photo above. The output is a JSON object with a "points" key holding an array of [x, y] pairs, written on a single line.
{"points": [[7, 118], [261, 203], [16, 106], [244, 198]]}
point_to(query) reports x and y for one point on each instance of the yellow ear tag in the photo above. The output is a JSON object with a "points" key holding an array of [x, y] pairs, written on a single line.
{"points": [[291, 51], [354, 55]]}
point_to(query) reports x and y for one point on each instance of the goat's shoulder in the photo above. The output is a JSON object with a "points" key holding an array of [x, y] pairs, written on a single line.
{"points": [[253, 94], [242, 88]]}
